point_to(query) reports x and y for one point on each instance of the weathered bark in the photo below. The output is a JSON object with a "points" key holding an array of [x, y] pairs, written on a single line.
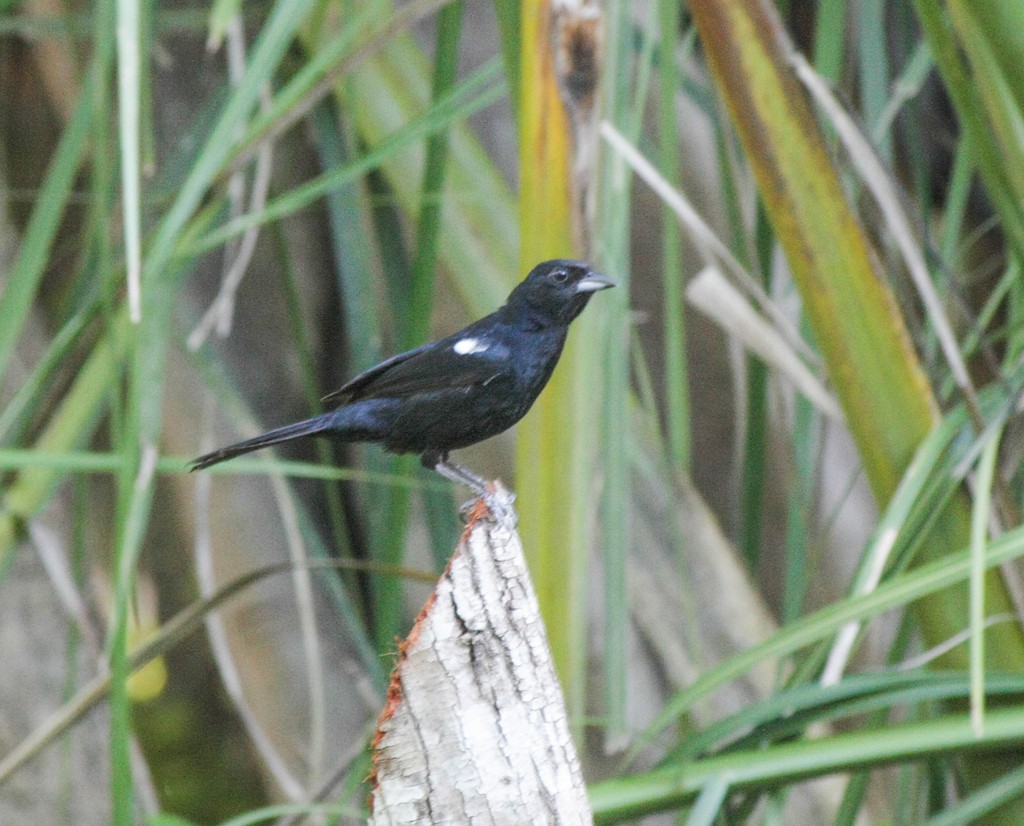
{"points": [[475, 730]]}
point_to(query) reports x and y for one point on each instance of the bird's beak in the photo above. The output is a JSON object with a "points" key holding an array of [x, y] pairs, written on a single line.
{"points": [[593, 282]]}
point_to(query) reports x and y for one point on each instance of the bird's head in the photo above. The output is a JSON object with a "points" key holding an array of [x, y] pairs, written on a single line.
{"points": [[559, 289]]}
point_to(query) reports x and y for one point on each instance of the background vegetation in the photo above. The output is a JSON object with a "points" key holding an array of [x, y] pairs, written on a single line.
{"points": [[774, 531]]}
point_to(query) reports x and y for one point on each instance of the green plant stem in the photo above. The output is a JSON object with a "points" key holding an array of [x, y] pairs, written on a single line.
{"points": [[677, 387]]}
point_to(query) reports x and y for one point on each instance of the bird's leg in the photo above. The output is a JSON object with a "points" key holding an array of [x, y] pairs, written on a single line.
{"points": [[440, 463]]}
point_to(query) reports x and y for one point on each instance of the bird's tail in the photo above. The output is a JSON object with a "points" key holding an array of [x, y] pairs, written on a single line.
{"points": [[309, 427]]}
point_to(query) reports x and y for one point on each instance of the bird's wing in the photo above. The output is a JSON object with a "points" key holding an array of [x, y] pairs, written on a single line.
{"points": [[355, 388], [461, 360]]}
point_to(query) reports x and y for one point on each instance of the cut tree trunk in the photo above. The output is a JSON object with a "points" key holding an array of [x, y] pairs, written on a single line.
{"points": [[474, 729]]}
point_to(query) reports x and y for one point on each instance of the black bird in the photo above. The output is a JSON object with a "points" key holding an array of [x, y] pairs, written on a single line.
{"points": [[457, 391]]}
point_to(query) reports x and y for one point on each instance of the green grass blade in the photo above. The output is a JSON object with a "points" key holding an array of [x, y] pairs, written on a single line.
{"points": [[830, 38], [13, 418], [755, 443], [973, 808], [873, 54], [416, 324], [962, 89], [129, 45], [30, 263], [611, 350], [709, 802], [354, 271], [507, 12], [981, 514], [677, 390], [669, 788]]}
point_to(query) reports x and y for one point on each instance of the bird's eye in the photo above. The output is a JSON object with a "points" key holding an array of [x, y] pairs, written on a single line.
{"points": [[560, 276]]}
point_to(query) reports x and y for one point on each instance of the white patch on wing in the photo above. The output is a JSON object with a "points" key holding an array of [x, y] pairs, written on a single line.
{"points": [[468, 346]]}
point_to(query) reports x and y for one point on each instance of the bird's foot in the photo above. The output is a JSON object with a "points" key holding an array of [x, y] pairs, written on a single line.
{"points": [[497, 500]]}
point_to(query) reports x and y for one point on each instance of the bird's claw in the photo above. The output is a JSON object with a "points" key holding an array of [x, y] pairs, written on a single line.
{"points": [[496, 501]]}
